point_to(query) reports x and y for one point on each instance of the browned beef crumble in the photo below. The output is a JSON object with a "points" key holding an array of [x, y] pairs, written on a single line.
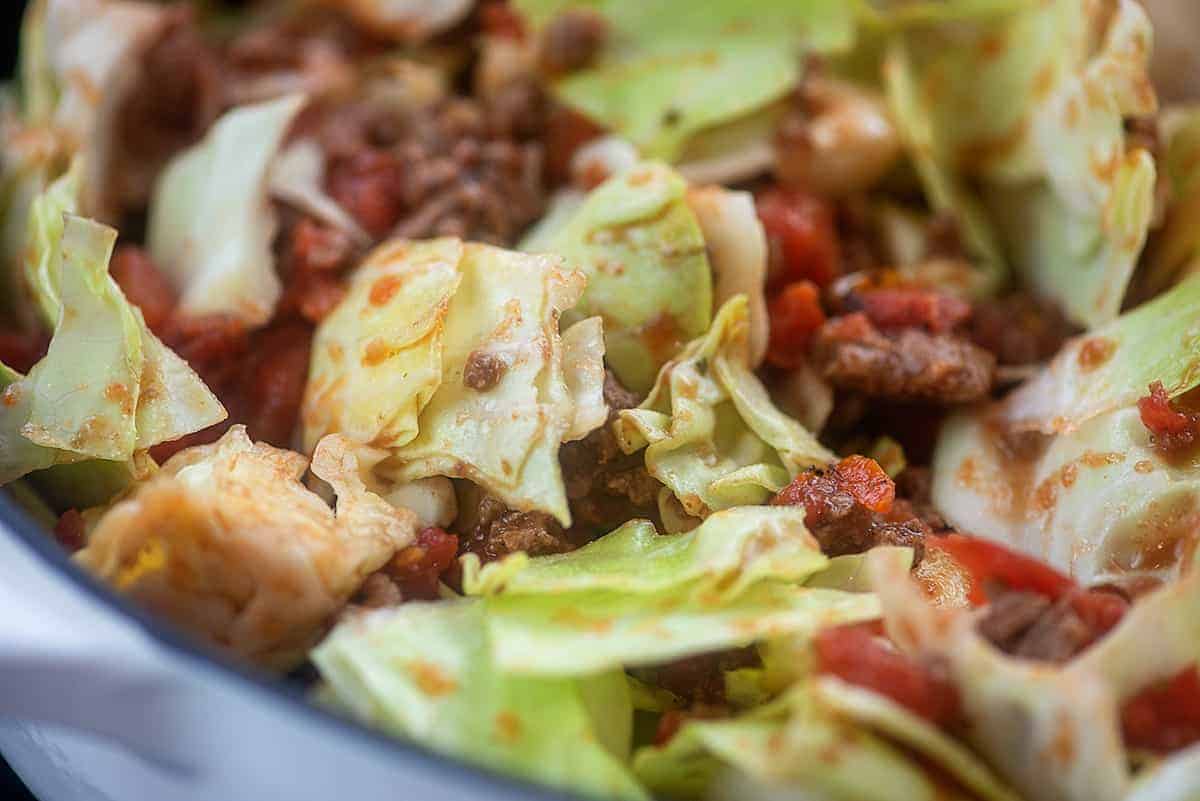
{"points": [[914, 485], [489, 528], [483, 370], [1019, 329], [1031, 626], [572, 39], [699, 679], [905, 365]]}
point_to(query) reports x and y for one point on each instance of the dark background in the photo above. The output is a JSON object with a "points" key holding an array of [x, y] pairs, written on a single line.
{"points": [[10, 19]]}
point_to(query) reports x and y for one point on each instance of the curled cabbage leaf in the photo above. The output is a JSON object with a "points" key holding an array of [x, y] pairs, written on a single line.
{"points": [[226, 542], [666, 73], [643, 251], [425, 672], [107, 388], [1095, 498], [211, 223], [708, 427], [1053, 732], [1175, 251], [448, 357], [734, 580], [1031, 104]]}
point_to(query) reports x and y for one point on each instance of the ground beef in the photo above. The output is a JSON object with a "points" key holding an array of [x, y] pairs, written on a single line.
{"points": [[606, 487], [699, 679], [483, 370], [1019, 329], [894, 308], [173, 104], [314, 259], [911, 364], [915, 485], [1032, 626], [490, 528], [572, 39], [851, 508]]}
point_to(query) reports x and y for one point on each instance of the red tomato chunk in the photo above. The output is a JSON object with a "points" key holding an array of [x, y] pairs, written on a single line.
{"points": [[801, 235]]}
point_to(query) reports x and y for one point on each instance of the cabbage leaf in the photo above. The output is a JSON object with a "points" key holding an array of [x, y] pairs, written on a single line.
{"points": [[227, 543], [390, 369], [709, 429], [424, 672], [211, 223], [643, 251]]}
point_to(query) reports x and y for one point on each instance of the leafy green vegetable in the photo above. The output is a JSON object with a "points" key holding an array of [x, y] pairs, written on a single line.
{"points": [[221, 185], [648, 277], [424, 672], [390, 369], [1176, 248], [724, 555], [1032, 105], [709, 429], [666, 73], [794, 747]]}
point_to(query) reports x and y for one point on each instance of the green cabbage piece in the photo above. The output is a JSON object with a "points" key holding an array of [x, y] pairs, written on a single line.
{"points": [[424, 672], [794, 747], [388, 369], [221, 184], [1053, 732], [1175, 250], [107, 388], [721, 557], [1031, 106], [649, 279], [635, 597], [709, 429], [1097, 500], [667, 72]]}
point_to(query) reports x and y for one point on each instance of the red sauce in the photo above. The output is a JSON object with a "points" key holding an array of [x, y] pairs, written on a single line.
{"points": [[801, 236], [795, 315], [418, 568], [910, 307], [1166, 716]]}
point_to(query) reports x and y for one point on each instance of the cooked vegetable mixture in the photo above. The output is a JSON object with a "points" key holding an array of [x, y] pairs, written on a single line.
{"points": [[645, 398]]}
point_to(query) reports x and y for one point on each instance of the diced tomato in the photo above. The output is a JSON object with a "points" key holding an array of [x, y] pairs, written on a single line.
{"points": [[369, 185], [857, 654], [905, 307], [989, 562], [272, 386], [1173, 430], [144, 285], [1166, 716], [418, 567], [70, 531], [795, 315], [802, 237], [21, 351], [861, 478]]}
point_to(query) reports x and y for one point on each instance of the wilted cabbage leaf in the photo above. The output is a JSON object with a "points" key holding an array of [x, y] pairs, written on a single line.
{"points": [[709, 429], [227, 543], [667, 72], [448, 358], [642, 249], [1032, 105], [211, 222], [424, 672], [1175, 251], [1095, 499]]}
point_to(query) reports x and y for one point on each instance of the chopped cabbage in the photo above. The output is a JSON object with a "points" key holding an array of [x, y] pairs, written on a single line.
{"points": [[709, 429], [667, 72], [226, 542], [212, 225], [643, 251], [424, 671], [390, 369]]}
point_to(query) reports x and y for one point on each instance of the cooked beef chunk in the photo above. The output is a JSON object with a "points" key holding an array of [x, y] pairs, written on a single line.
{"points": [[699, 679], [910, 364], [572, 39], [1010, 615], [483, 370], [489, 528], [914, 485], [1019, 328], [1032, 626]]}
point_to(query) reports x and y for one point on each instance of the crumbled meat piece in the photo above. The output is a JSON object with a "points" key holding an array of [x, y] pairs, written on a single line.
{"points": [[483, 370], [175, 100], [572, 39], [1030, 625], [699, 679], [605, 486], [143, 284], [21, 350], [70, 531], [489, 528], [850, 508], [1055, 636], [1175, 432], [1009, 615], [943, 237], [911, 307], [915, 485], [566, 131], [1019, 329], [853, 354]]}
